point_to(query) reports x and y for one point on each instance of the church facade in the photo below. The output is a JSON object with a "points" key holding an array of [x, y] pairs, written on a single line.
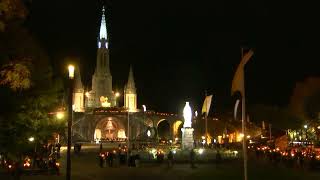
{"points": [[101, 93], [96, 114]]}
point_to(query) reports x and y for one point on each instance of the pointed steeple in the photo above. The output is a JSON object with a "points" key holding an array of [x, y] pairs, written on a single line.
{"points": [[130, 87], [103, 35], [78, 84]]}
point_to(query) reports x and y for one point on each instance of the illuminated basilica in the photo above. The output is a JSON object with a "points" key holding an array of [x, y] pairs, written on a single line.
{"points": [[101, 93]]}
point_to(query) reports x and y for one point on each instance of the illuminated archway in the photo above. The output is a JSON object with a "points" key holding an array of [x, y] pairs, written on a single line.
{"points": [[161, 120], [109, 128], [176, 128], [163, 129]]}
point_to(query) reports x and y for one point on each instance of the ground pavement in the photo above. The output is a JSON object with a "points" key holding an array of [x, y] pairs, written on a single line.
{"points": [[85, 167]]}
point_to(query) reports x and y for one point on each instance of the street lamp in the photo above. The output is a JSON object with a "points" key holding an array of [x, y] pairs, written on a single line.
{"points": [[71, 77], [306, 131]]}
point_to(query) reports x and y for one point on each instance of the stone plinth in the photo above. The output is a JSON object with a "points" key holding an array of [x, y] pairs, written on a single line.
{"points": [[187, 138]]}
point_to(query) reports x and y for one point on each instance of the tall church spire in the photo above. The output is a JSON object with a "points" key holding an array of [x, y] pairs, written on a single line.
{"points": [[78, 83], [78, 93], [131, 85], [130, 95], [103, 35]]}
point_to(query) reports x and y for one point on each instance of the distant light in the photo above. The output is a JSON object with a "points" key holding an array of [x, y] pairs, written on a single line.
{"points": [[174, 151], [117, 94], [176, 139], [201, 151], [87, 94], [31, 139], [196, 113], [71, 71], [305, 126], [203, 141], [202, 137], [170, 141], [318, 127], [144, 108], [241, 135], [248, 136], [148, 133], [60, 115]]}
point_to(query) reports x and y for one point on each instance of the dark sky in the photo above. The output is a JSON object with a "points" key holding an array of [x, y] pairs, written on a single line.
{"points": [[179, 49]]}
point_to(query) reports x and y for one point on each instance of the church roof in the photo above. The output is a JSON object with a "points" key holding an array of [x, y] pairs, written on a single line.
{"points": [[131, 85]]}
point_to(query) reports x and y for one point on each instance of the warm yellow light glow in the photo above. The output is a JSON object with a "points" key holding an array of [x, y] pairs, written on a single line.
{"points": [[87, 94], [117, 94], [241, 135], [60, 115], [305, 126], [202, 137], [104, 102], [248, 136], [71, 71], [318, 127], [148, 133]]}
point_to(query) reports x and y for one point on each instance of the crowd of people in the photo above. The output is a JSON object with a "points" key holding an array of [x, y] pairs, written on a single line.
{"points": [[291, 158]]}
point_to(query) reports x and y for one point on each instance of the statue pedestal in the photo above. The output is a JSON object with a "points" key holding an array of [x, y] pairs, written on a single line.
{"points": [[187, 138]]}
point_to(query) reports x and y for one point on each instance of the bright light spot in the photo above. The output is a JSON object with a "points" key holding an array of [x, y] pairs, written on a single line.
{"points": [[202, 137], [174, 151], [241, 135], [318, 127], [144, 108], [235, 152], [305, 126], [71, 71], [201, 151], [248, 136], [214, 140], [170, 141], [148, 133], [60, 115], [97, 141], [196, 113], [203, 141], [31, 139], [87, 94], [117, 94], [176, 139]]}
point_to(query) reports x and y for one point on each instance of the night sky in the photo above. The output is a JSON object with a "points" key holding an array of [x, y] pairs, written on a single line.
{"points": [[179, 49]]}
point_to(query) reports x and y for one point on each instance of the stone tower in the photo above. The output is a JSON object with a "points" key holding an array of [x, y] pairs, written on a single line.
{"points": [[78, 93], [101, 93], [130, 94]]}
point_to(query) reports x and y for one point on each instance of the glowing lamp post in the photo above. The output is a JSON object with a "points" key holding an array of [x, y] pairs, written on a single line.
{"points": [[71, 78], [187, 130]]}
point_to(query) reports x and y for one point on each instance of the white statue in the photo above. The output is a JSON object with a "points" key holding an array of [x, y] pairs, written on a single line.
{"points": [[187, 114]]}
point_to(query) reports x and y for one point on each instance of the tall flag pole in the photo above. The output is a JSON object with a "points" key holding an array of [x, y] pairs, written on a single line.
{"points": [[238, 85], [206, 109]]}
